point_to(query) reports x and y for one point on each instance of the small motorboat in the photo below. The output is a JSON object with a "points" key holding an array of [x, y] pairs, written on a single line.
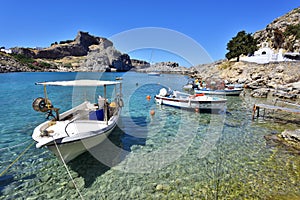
{"points": [[189, 85], [235, 85], [197, 102], [153, 74], [81, 128], [226, 91]]}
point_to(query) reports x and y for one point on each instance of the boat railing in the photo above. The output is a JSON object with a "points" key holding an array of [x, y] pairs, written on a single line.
{"points": [[178, 94]]}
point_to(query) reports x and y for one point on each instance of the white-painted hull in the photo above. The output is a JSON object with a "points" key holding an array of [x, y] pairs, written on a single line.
{"points": [[227, 92], [187, 87], [74, 137], [206, 104], [154, 74], [72, 149]]}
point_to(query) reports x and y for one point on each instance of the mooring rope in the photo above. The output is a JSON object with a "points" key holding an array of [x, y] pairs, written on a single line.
{"points": [[17, 145], [11, 164], [62, 159]]}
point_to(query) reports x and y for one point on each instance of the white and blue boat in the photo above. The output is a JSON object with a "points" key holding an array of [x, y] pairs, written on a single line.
{"points": [[225, 91], [81, 128], [197, 102]]}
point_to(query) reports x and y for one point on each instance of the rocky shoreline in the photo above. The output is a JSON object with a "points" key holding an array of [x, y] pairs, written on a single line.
{"points": [[280, 79], [288, 139]]}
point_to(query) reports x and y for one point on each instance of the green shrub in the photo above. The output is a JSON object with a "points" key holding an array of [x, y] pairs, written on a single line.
{"points": [[293, 30], [224, 65], [34, 67], [68, 65], [66, 41], [23, 59]]}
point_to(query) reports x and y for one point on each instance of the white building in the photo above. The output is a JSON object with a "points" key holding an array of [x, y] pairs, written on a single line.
{"points": [[265, 55], [9, 51]]}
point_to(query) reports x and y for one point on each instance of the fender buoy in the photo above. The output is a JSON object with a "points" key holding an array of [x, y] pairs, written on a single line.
{"points": [[199, 95], [152, 112]]}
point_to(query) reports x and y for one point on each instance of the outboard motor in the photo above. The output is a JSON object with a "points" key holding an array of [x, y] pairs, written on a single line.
{"points": [[163, 92]]}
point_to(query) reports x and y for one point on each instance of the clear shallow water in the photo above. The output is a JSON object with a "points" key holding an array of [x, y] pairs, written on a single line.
{"points": [[174, 154]]}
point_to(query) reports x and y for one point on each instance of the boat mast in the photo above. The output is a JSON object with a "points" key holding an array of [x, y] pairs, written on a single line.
{"points": [[105, 106], [46, 97]]}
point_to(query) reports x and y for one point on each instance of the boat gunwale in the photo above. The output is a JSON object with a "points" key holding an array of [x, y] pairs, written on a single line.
{"points": [[190, 100]]}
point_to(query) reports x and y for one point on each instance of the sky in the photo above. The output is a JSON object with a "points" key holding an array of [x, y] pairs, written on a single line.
{"points": [[209, 23]]}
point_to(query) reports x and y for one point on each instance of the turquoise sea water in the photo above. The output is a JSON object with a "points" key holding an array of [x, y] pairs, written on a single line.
{"points": [[174, 154]]}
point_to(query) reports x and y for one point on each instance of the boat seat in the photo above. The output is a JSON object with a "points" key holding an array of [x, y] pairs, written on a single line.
{"points": [[97, 115]]}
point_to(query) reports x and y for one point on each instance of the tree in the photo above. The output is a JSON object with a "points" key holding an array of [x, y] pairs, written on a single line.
{"points": [[242, 43]]}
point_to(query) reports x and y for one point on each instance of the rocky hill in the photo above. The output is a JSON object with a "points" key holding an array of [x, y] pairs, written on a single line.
{"points": [[283, 32], [84, 53], [9, 64]]}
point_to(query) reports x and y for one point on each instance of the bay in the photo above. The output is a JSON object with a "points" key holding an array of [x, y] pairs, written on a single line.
{"points": [[173, 154]]}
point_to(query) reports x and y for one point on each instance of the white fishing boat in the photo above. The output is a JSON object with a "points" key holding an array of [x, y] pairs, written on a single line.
{"points": [[189, 85], [81, 128], [197, 102], [153, 74], [225, 91]]}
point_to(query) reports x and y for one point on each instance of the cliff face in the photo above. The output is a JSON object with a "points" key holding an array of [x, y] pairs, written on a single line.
{"points": [[77, 47], [277, 35], [97, 54], [103, 58]]}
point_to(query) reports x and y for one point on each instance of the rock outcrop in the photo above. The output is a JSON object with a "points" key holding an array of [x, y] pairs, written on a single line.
{"points": [[122, 63], [277, 79], [98, 52], [139, 64], [163, 67], [276, 33], [104, 57], [288, 138], [78, 47], [9, 64], [27, 52]]}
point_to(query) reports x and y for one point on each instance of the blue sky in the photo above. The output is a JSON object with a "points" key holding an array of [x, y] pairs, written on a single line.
{"points": [[210, 23]]}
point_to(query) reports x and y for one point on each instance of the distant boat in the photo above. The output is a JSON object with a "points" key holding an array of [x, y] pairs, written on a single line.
{"points": [[226, 91], [189, 85], [154, 74], [119, 78], [81, 128], [231, 86], [193, 102]]}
